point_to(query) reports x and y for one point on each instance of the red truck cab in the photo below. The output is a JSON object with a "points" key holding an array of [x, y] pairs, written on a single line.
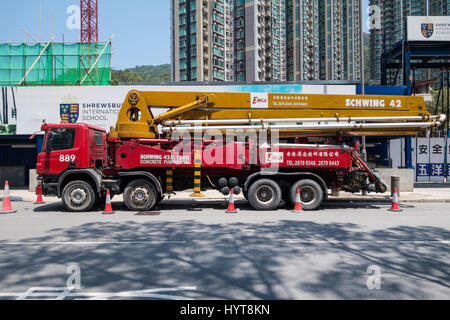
{"points": [[70, 148]]}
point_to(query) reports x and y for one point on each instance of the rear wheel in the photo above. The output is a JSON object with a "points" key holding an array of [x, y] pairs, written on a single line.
{"points": [[264, 194], [311, 194], [78, 196], [140, 195]]}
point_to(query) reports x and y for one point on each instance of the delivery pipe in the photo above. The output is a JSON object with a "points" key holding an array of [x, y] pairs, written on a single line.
{"points": [[283, 120], [337, 126]]}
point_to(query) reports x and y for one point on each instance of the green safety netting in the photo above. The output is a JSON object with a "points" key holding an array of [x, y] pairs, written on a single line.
{"points": [[61, 64]]}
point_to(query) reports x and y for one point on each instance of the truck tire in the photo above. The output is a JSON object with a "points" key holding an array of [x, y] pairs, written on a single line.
{"points": [[140, 195], [78, 196], [264, 195], [311, 194]]}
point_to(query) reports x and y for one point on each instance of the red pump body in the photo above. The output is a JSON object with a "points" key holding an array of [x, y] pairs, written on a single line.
{"points": [[81, 152]]}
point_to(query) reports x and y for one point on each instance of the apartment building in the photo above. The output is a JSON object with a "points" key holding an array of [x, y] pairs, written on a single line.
{"points": [[352, 39], [265, 40], [264, 36], [393, 14], [439, 8], [200, 40], [303, 59]]}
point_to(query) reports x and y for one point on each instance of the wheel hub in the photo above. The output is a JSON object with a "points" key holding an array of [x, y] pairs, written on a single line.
{"points": [[140, 195], [78, 196], [307, 195], [264, 194]]}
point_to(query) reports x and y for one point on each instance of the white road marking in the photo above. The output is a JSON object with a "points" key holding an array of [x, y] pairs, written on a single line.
{"points": [[55, 293], [88, 243], [302, 241]]}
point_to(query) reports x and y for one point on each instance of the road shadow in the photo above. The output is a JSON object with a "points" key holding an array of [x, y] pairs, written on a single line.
{"points": [[237, 261], [49, 207]]}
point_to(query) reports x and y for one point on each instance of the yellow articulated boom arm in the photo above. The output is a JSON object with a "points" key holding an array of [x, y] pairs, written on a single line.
{"points": [[292, 115]]}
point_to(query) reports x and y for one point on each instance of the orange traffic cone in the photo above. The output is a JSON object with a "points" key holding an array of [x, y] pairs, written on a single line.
{"points": [[39, 199], [7, 208], [108, 207], [231, 208], [298, 203], [395, 205]]}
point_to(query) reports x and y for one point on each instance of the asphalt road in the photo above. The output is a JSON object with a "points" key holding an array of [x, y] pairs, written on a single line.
{"points": [[212, 255]]}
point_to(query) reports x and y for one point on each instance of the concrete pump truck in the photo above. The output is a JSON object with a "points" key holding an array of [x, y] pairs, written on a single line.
{"points": [[215, 141]]}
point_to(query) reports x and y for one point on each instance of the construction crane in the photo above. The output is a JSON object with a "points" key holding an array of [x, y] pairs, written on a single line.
{"points": [[89, 21]]}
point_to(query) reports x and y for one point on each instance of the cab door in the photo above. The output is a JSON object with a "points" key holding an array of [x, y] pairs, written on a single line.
{"points": [[97, 149]]}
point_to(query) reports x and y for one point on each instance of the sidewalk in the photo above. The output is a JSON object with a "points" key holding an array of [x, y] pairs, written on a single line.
{"points": [[422, 194]]}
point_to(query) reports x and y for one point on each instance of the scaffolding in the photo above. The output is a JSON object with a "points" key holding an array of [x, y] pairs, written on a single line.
{"points": [[55, 64]]}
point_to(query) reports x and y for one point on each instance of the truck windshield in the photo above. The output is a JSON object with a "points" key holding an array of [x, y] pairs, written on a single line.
{"points": [[60, 139]]}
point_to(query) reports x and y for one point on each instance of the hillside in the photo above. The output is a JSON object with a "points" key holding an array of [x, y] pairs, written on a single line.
{"points": [[147, 73]]}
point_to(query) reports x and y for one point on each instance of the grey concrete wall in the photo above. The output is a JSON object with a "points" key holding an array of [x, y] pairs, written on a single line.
{"points": [[406, 178], [33, 180]]}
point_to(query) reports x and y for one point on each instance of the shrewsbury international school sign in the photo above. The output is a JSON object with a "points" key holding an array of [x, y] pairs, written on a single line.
{"points": [[71, 111], [430, 28]]}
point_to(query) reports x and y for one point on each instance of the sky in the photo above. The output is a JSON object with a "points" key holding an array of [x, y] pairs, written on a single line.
{"points": [[141, 28]]}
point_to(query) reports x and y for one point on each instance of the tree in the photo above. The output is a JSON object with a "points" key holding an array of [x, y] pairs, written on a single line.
{"points": [[442, 107], [125, 76], [146, 73]]}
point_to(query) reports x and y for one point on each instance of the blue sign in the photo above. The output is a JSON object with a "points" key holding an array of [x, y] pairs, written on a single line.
{"points": [[423, 170], [437, 169]]}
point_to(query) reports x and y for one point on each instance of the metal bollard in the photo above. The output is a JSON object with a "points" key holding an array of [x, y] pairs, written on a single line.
{"points": [[395, 184]]}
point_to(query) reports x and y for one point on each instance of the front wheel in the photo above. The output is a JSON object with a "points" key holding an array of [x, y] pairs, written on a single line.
{"points": [[311, 194], [78, 196], [140, 195], [264, 194]]}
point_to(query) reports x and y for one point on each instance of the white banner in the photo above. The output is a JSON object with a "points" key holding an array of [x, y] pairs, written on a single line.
{"points": [[437, 154], [423, 159], [100, 106], [97, 106], [396, 153], [429, 28]]}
